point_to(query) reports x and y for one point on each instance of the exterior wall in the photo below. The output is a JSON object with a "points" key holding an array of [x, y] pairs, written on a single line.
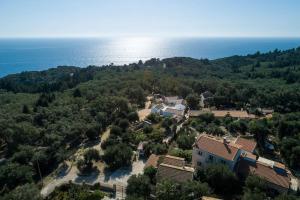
{"points": [[205, 159]]}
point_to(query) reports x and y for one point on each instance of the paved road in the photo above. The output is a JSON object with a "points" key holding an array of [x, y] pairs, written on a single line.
{"points": [[119, 177]]}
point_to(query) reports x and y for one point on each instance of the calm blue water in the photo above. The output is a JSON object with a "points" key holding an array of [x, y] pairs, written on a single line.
{"points": [[17, 55]]}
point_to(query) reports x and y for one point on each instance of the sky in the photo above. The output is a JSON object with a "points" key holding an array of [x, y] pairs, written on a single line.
{"points": [[157, 18]]}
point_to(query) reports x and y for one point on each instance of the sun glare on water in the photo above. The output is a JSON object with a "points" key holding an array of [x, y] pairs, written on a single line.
{"points": [[132, 49]]}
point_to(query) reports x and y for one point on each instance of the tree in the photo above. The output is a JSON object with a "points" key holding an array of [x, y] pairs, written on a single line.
{"points": [[193, 101], [186, 154], [155, 148], [137, 96], [27, 191], [290, 151], [255, 183], [93, 133], [118, 156], [90, 155], [154, 118], [238, 126], [184, 91], [147, 129], [124, 124], [81, 165], [151, 173], [255, 188], [77, 93], [207, 117], [139, 186], [13, 174], [260, 130], [191, 190], [251, 196], [214, 129], [156, 135], [129, 197], [166, 190], [133, 116], [116, 130], [40, 161], [101, 118], [286, 197], [86, 164], [185, 141], [24, 155], [87, 195], [221, 179], [25, 109], [167, 122]]}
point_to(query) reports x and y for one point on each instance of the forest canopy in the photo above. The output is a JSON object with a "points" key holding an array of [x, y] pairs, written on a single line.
{"points": [[45, 115]]}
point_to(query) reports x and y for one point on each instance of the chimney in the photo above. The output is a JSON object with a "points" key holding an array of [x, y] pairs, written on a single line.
{"points": [[225, 141]]}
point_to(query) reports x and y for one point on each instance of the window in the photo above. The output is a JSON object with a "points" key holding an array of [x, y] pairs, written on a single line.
{"points": [[200, 153], [211, 158], [199, 163], [223, 162]]}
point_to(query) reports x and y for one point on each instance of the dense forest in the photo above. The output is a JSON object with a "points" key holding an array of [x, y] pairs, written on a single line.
{"points": [[45, 116]]}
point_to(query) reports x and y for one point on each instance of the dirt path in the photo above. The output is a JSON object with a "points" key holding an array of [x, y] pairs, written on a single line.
{"points": [[105, 135], [146, 111], [148, 102]]}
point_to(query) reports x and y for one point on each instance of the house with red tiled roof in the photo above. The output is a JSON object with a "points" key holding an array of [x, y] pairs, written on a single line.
{"points": [[277, 176], [211, 150], [238, 155]]}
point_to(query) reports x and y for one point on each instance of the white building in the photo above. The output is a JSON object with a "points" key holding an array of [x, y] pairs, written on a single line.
{"points": [[209, 150], [169, 111], [238, 155]]}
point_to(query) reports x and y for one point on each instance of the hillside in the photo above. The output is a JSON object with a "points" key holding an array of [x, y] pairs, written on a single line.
{"points": [[45, 116]]}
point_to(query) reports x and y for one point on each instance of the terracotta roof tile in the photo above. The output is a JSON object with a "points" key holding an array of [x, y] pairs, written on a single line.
{"points": [[152, 161], [173, 160], [174, 173], [217, 147], [247, 145], [267, 172]]}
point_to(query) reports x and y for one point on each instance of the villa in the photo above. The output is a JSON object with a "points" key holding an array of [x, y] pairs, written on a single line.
{"points": [[277, 176], [208, 150], [169, 111], [239, 155]]}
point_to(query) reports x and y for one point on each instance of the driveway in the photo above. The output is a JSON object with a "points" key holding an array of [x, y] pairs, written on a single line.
{"points": [[118, 177], [121, 176], [143, 113]]}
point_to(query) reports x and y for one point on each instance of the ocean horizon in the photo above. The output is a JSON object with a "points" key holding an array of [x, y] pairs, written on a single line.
{"points": [[35, 54]]}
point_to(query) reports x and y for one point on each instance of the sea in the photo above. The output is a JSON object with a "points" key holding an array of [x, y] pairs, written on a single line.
{"points": [[34, 54]]}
